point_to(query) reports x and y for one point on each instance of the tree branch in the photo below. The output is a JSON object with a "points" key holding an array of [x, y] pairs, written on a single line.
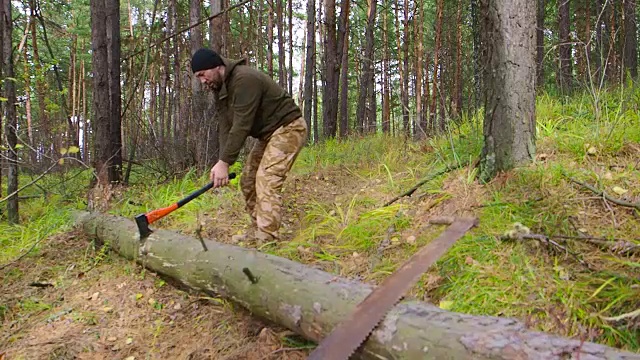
{"points": [[188, 28], [29, 184], [424, 181], [605, 195]]}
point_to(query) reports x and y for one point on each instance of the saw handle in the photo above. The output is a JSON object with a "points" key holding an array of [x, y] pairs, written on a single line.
{"points": [[160, 213]]}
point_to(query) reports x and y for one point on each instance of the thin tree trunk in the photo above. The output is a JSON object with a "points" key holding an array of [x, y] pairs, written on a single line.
{"points": [[115, 91], [282, 71], [564, 25], [540, 14], [404, 97], [310, 62], [630, 52], [405, 81], [418, 26], [457, 82], [45, 135], [343, 44], [10, 115], [477, 76], [367, 97], [436, 58], [290, 73], [27, 92], [85, 129], [270, 39], [322, 74], [260, 15], [330, 93], [386, 106]]}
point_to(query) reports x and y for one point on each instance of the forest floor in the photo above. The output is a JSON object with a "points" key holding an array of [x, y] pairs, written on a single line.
{"points": [[69, 300]]}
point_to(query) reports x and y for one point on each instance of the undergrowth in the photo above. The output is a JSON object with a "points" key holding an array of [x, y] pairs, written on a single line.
{"points": [[352, 234]]}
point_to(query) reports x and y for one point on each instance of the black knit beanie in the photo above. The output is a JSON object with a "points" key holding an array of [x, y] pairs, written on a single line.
{"points": [[204, 59]]}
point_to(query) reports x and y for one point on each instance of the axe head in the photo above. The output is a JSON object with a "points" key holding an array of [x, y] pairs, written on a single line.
{"points": [[143, 225]]}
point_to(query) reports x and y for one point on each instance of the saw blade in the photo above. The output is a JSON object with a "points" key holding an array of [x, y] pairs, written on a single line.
{"points": [[347, 337]]}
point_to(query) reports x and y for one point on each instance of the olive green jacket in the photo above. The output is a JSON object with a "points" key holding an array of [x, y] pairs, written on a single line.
{"points": [[250, 103]]}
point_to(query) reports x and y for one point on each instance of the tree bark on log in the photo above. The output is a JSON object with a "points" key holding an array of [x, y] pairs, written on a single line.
{"points": [[311, 302]]}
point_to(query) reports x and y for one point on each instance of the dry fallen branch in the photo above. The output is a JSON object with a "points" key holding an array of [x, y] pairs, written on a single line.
{"points": [[424, 181], [630, 315], [520, 232], [605, 195], [615, 245], [23, 255]]}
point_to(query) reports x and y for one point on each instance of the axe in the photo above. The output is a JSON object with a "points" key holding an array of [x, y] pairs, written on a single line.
{"points": [[143, 220]]}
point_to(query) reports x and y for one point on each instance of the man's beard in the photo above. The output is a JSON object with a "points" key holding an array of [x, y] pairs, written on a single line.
{"points": [[214, 86]]}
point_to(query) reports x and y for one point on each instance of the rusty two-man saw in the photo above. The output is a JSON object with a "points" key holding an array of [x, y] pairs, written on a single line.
{"points": [[347, 337]]}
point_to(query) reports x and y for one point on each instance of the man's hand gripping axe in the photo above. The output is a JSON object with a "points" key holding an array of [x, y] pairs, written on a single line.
{"points": [[143, 220]]}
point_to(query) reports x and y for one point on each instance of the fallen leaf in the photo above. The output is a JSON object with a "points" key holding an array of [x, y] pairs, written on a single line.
{"points": [[583, 230], [542, 157], [95, 296], [129, 341], [592, 150], [446, 304], [107, 309], [139, 296], [618, 190]]}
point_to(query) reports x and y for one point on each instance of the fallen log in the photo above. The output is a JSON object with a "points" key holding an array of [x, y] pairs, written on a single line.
{"points": [[311, 302]]}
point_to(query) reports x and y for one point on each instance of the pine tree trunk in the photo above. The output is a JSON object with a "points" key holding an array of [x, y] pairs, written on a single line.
{"points": [[115, 91], [290, 72], [9, 111], [270, 39], [343, 54], [330, 90], [565, 75], [404, 97], [45, 137], [477, 76], [457, 81], [435, 90], [366, 85], [540, 14], [28, 105], [630, 53], [310, 62], [101, 116], [322, 74], [418, 26], [509, 79], [282, 71], [386, 98], [406, 120]]}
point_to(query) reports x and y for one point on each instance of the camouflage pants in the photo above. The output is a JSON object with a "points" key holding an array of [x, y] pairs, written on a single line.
{"points": [[265, 172]]}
